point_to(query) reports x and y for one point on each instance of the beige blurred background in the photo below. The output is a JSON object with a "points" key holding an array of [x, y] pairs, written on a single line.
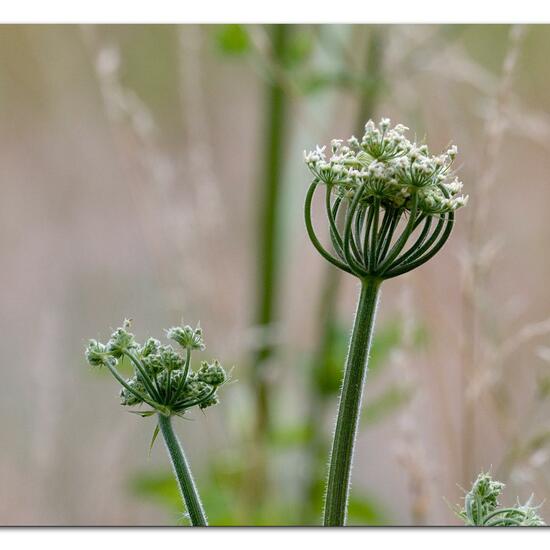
{"points": [[132, 162]]}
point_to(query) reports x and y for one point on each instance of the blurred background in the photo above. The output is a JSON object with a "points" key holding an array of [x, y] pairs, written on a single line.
{"points": [[156, 173]]}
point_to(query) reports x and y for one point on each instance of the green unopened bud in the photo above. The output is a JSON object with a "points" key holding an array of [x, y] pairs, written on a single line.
{"points": [[128, 398], [212, 400], [525, 514], [163, 379], [194, 388], [212, 374], [187, 337], [484, 494], [152, 364], [120, 342], [169, 359], [150, 347], [96, 354], [482, 507]]}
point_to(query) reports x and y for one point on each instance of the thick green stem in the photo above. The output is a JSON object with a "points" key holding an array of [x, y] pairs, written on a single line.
{"points": [[336, 500], [367, 100], [183, 474]]}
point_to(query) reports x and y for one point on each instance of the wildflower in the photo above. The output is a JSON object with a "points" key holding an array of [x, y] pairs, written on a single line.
{"points": [[482, 507], [390, 207], [381, 191], [96, 354], [387, 154], [121, 341], [187, 337], [162, 378]]}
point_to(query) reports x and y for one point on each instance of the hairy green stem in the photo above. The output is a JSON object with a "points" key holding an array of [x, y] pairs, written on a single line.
{"points": [[341, 458], [367, 98], [183, 474]]}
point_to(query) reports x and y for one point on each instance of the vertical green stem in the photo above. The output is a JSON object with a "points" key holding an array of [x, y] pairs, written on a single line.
{"points": [[269, 207], [341, 458], [367, 98], [183, 474], [268, 244]]}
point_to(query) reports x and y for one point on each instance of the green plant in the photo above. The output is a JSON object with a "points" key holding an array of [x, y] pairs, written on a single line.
{"points": [[165, 381], [269, 249], [482, 508], [328, 353], [380, 193]]}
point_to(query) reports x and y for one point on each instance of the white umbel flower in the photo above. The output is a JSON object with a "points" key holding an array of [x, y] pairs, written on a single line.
{"points": [[391, 168]]}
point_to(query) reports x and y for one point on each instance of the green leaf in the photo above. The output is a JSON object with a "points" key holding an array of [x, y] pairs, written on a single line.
{"points": [[143, 414], [155, 434], [382, 406], [233, 39]]}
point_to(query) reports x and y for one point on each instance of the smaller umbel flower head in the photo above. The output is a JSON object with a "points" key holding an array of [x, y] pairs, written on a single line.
{"points": [[482, 507], [162, 377], [186, 337], [381, 192]]}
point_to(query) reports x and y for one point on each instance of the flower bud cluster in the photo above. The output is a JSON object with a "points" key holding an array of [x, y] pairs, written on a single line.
{"points": [[187, 337], [390, 168], [482, 507], [162, 377]]}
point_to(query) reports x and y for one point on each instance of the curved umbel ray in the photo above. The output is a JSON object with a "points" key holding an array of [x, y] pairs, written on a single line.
{"points": [[207, 393], [357, 232], [388, 259], [408, 266], [383, 232], [365, 248], [427, 250], [418, 243], [414, 254], [332, 212], [373, 236], [311, 232], [350, 248], [385, 241], [353, 239], [365, 237]]}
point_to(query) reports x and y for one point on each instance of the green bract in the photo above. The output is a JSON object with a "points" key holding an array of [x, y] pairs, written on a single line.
{"points": [[162, 377], [380, 193]]}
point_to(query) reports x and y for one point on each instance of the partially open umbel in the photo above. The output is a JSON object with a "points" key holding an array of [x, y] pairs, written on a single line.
{"points": [[389, 203], [164, 380]]}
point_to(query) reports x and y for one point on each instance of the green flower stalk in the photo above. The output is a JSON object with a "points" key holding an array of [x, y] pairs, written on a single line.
{"points": [[390, 207], [164, 380], [482, 508]]}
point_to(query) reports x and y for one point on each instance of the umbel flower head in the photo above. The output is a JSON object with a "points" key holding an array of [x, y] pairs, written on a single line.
{"points": [[390, 204], [162, 379], [482, 507]]}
